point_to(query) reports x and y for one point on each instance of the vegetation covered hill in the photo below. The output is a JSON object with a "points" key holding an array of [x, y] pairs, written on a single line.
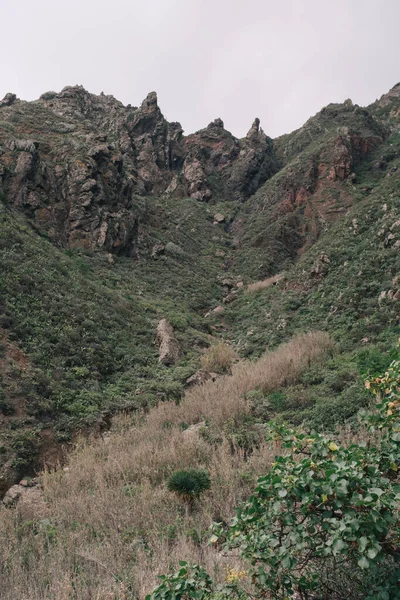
{"points": [[111, 220]]}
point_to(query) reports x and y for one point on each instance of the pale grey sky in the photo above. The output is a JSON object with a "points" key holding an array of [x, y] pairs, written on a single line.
{"points": [[279, 60]]}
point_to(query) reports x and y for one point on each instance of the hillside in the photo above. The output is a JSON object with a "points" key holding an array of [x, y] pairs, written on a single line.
{"points": [[111, 219]]}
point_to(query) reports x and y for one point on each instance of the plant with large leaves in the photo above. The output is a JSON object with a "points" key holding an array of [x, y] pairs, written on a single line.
{"points": [[324, 522]]}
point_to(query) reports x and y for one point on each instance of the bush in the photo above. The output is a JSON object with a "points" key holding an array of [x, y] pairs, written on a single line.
{"points": [[324, 522], [174, 250], [188, 485]]}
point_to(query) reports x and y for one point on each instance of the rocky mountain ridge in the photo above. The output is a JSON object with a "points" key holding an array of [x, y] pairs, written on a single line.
{"points": [[74, 162]]}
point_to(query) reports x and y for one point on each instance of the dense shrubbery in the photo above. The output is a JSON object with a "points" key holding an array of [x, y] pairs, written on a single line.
{"points": [[323, 523]]}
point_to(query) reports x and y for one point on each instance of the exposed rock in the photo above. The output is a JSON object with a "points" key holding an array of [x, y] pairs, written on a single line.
{"points": [[13, 495], [193, 429], [80, 189], [198, 378], [219, 218], [196, 179], [230, 297], [218, 310], [228, 283], [29, 498], [169, 350], [157, 250], [321, 266], [8, 100]]}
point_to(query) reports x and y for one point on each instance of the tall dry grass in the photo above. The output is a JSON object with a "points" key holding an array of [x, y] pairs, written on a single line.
{"points": [[112, 525], [258, 286], [219, 358]]}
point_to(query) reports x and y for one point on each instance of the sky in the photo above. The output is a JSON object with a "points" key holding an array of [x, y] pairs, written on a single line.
{"points": [[278, 60]]}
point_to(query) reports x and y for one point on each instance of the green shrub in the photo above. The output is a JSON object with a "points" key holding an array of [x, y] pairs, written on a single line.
{"points": [[324, 522], [189, 485]]}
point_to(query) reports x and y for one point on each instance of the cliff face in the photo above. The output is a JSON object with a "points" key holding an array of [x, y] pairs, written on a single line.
{"points": [[321, 171], [74, 162]]}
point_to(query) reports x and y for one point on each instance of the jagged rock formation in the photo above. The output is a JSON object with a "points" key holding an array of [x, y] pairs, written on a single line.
{"points": [[314, 187], [74, 162]]}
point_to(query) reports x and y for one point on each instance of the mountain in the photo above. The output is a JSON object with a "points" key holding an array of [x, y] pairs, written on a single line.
{"points": [[112, 219]]}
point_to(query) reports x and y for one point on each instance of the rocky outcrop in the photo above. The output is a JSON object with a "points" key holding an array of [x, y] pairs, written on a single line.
{"points": [[88, 157], [220, 166], [28, 497], [313, 188], [169, 349]]}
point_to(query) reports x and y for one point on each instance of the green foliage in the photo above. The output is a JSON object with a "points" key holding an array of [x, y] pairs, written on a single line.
{"points": [[191, 581], [189, 484], [26, 446], [87, 327], [325, 510]]}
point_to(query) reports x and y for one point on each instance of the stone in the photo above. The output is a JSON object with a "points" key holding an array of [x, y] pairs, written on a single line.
{"points": [[169, 349], [197, 378], [321, 266], [157, 250], [228, 283], [218, 310], [219, 218], [193, 429], [13, 494], [8, 100], [230, 297]]}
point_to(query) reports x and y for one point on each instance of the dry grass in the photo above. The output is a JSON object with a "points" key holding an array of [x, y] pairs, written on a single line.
{"points": [[258, 286], [219, 358], [113, 524]]}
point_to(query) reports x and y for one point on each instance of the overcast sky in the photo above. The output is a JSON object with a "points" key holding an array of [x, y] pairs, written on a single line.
{"points": [[279, 60]]}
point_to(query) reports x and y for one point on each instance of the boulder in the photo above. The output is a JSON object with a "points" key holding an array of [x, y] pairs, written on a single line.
{"points": [[194, 429], [157, 250], [169, 349], [13, 495]]}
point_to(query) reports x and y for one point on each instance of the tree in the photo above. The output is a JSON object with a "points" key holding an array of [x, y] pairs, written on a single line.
{"points": [[188, 485]]}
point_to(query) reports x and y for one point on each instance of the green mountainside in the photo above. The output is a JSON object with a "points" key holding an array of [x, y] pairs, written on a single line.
{"points": [[169, 306], [109, 223]]}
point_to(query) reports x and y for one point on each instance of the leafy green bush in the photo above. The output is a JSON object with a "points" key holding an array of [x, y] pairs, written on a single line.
{"points": [[191, 581], [324, 522]]}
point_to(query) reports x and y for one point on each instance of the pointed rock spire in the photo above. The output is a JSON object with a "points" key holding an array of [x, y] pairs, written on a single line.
{"points": [[254, 129]]}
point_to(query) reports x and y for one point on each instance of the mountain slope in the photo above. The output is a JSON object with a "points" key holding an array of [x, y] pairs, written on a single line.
{"points": [[112, 219]]}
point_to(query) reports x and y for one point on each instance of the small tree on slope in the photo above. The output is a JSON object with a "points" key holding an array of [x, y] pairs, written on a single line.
{"points": [[189, 485]]}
